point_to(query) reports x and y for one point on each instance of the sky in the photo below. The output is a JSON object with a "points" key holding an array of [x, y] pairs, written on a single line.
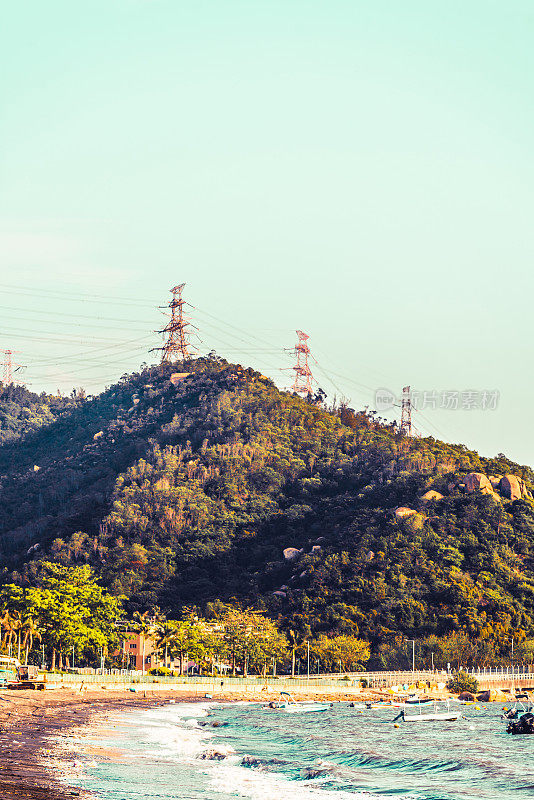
{"points": [[359, 171]]}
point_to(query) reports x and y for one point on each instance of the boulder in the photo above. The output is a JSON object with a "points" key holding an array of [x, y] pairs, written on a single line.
{"points": [[495, 481], [290, 553], [432, 495], [402, 512], [512, 487], [176, 377], [466, 696], [492, 696], [98, 435], [316, 548], [477, 481], [280, 594]]}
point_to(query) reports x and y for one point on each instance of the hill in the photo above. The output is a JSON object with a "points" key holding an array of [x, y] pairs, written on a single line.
{"points": [[216, 485], [22, 411]]}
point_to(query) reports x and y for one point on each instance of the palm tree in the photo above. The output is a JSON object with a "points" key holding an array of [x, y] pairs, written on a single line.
{"points": [[31, 631], [12, 624], [5, 623], [165, 633]]}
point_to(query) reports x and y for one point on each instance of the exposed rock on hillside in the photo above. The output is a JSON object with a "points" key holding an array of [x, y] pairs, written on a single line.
{"points": [[402, 512], [432, 495], [477, 481], [512, 487]]}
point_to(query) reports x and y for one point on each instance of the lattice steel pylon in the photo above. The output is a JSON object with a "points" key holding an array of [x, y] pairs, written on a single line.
{"points": [[406, 412], [177, 345], [8, 365], [303, 374]]}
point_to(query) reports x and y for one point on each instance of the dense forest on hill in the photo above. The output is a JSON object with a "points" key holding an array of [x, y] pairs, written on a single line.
{"points": [[216, 486], [22, 411]]}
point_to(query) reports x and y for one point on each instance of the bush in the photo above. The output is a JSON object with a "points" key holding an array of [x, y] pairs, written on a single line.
{"points": [[161, 671], [364, 683], [462, 682]]}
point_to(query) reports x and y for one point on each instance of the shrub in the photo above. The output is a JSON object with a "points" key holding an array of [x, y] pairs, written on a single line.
{"points": [[161, 671], [462, 682]]}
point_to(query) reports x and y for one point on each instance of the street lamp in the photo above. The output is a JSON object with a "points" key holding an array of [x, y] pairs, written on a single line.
{"points": [[308, 659], [413, 653]]}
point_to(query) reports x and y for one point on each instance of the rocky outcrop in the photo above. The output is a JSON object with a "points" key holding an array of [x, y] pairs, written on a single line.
{"points": [[176, 377], [466, 696], [432, 495], [291, 553], [402, 512], [512, 487], [477, 481]]}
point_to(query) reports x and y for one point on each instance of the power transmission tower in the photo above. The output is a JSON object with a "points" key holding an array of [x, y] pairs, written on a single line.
{"points": [[8, 366], [177, 344], [406, 412], [303, 374]]}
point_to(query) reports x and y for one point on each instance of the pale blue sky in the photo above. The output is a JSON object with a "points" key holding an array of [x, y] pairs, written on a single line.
{"points": [[362, 171]]}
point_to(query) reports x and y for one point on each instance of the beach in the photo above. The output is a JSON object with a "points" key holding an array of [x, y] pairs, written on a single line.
{"points": [[30, 719], [32, 723]]}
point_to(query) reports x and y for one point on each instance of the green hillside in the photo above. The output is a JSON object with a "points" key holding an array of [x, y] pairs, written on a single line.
{"points": [[22, 411], [188, 492]]}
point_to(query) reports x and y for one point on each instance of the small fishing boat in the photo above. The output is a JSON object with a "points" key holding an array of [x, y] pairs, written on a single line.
{"points": [[414, 700], [525, 724], [522, 705], [290, 705], [429, 716], [435, 716]]}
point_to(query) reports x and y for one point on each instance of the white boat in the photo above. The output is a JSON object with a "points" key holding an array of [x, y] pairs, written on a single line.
{"points": [[290, 705], [433, 716], [443, 716], [414, 700]]}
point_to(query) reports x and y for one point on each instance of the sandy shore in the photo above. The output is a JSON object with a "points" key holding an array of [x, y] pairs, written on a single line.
{"points": [[31, 726], [42, 732]]}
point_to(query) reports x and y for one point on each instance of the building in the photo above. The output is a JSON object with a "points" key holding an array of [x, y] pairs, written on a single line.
{"points": [[132, 652]]}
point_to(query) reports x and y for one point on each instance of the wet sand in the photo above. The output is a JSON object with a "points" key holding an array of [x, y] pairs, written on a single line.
{"points": [[32, 726]]}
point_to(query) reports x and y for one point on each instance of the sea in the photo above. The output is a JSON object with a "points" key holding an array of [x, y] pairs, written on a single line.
{"points": [[218, 751]]}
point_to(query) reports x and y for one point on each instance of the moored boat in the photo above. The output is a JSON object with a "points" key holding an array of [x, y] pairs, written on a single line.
{"points": [[290, 705], [429, 716]]}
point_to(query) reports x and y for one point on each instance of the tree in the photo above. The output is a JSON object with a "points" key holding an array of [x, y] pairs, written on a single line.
{"points": [[68, 607], [347, 652], [250, 637], [186, 639], [462, 682], [31, 629]]}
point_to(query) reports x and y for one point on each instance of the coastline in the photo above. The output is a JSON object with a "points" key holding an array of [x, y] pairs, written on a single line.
{"points": [[29, 721], [33, 762]]}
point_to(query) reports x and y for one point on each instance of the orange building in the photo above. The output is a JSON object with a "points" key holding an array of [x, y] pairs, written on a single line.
{"points": [[132, 652]]}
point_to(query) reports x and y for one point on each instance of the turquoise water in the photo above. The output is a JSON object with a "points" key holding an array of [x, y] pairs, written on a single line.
{"points": [[176, 751]]}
